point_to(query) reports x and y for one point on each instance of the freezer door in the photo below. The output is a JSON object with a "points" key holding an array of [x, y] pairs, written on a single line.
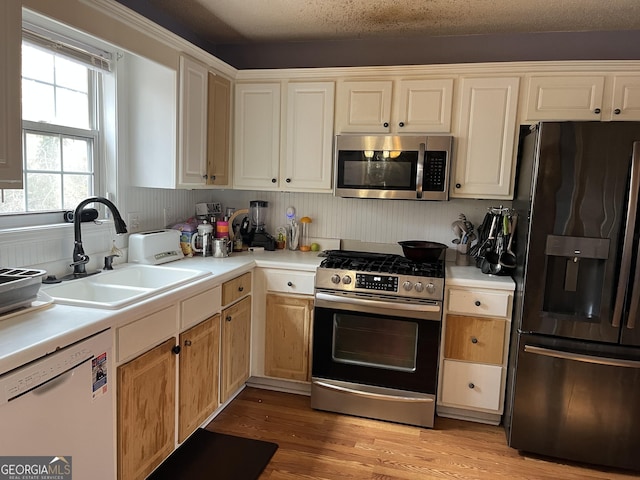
{"points": [[577, 401], [584, 186]]}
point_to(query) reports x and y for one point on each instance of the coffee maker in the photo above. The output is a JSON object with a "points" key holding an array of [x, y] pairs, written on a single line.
{"points": [[255, 233]]}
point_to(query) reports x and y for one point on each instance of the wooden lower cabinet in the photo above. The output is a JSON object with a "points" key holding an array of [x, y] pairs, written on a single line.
{"points": [[146, 411], [236, 345], [198, 375], [287, 334]]}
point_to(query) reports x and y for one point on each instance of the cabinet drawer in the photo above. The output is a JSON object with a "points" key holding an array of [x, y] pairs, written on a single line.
{"points": [[200, 307], [478, 302], [290, 282], [236, 288], [472, 385], [475, 339], [138, 336]]}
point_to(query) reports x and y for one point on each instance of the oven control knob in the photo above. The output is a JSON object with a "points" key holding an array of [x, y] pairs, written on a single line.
{"points": [[335, 278], [431, 288], [407, 286], [418, 287], [346, 279]]}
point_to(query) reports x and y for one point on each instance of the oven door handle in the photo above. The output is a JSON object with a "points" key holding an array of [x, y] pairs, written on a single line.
{"points": [[378, 396], [432, 310]]}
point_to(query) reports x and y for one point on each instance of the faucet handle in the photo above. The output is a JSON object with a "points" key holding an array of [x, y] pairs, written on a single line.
{"points": [[108, 261], [82, 260]]}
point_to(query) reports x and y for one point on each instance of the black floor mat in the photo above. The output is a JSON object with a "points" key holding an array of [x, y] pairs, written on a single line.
{"points": [[215, 456]]}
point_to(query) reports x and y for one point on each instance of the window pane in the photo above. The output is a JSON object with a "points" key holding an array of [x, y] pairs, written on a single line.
{"points": [[71, 75], [37, 64], [75, 155], [72, 108], [43, 152], [76, 189], [37, 102], [13, 201], [44, 191]]}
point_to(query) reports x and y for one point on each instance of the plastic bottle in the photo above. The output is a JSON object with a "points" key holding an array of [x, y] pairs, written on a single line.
{"points": [[305, 241]]}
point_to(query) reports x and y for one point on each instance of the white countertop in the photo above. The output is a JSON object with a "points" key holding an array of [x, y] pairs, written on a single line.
{"points": [[38, 332], [33, 334]]}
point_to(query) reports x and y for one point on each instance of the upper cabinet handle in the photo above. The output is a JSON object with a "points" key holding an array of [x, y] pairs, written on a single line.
{"points": [[597, 110], [617, 111], [385, 124], [477, 303], [401, 124]]}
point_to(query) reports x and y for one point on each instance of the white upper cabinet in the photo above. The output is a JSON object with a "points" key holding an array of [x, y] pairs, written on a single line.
{"points": [[284, 142], [192, 137], [257, 135], [309, 136], [394, 106], [583, 97], [484, 162], [10, 98]]}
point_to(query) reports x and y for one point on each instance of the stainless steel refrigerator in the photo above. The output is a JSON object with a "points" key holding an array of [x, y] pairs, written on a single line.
{"points": [[573, 387]]}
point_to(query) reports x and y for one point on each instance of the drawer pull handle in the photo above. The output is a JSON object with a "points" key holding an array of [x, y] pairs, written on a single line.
{"points": [[240, 289], [477, 302], [228, 318], [187, 343], [472, 386], [289, 284], [474, 340]]}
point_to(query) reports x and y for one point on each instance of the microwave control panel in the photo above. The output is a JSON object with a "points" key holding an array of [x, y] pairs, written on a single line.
{"points": [[435, 172]]}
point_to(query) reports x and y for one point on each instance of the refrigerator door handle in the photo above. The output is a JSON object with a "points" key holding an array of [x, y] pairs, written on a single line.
{"points": [[578, 357], [627, 246]]}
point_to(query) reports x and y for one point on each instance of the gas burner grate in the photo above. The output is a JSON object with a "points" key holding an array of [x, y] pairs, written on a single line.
{"points": [[381, 263]]}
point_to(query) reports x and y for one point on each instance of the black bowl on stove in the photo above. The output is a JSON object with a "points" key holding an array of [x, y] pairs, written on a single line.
{"points": [[422, 251]]}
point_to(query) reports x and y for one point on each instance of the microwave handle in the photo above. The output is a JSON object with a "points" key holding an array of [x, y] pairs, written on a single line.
{"points": [[420, 169]]}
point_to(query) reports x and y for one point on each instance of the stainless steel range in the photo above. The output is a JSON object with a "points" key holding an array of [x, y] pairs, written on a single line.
{"points": [[377, 321]]}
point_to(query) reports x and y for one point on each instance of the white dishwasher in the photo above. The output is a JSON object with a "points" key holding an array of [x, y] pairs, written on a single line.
{"points": [[61, 406]]}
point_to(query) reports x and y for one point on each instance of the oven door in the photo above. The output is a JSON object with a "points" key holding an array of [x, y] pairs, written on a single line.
{"points": [[387, 343]]}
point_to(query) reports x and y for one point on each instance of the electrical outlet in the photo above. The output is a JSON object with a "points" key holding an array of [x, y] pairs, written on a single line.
{"points": [[168, 217], [133, 222]]}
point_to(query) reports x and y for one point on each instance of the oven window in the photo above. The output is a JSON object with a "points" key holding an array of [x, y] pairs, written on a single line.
{"points": [[390, 344]]}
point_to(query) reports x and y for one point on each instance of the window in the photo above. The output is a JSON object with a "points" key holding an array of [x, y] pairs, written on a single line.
{"points": [[61, 108]]}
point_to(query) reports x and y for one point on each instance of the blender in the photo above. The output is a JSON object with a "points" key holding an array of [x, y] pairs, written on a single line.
{"points": [[258, 235]]}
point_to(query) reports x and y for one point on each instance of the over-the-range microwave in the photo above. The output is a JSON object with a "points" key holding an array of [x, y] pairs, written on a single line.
{"points": [[409, 167]]}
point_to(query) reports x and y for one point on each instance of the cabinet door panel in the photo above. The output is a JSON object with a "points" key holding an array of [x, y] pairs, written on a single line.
{"points": [[626, 97], [218, 130], [486, 139], [257, 135], [146, 411], [193, 122], [475, 339], [424, 106], [363, 106], [199, 374], [236, 343], [565, 98], [287, 330], [309, 136]]}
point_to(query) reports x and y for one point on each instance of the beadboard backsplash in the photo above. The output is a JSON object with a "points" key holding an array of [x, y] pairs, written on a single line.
{"points": [[377, 221]]}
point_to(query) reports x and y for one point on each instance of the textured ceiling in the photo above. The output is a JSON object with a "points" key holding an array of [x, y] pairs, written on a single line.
{"points": [[260, 21]]}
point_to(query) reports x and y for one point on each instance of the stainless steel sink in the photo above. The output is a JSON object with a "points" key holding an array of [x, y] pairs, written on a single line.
{"points": [[124, 286]]}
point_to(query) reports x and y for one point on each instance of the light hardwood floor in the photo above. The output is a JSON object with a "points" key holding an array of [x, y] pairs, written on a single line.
{"points": [[322, 445]]}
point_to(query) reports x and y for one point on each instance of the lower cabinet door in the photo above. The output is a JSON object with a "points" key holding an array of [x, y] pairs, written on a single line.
{"points": [[288, 323], [236, 344], [199, 367], [146, 411], [471, 385]]}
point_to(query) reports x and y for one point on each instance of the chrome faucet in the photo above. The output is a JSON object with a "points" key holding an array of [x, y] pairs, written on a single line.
{"points": [[80, 259]]}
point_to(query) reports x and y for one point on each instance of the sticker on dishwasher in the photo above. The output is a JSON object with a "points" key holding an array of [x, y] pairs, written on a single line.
{"points": [[99, 375]]}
